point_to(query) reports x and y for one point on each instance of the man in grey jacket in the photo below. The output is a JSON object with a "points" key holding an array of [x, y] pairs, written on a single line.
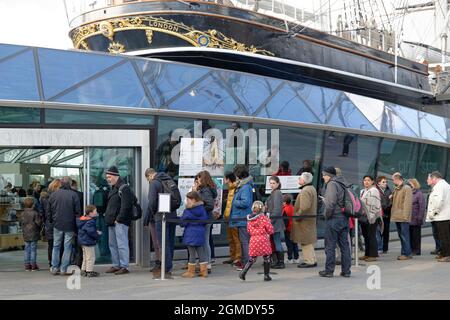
{"points": [[337, 224]]}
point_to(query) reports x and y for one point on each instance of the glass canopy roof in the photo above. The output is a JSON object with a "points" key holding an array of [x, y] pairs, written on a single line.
{"points": [[79, 77]]}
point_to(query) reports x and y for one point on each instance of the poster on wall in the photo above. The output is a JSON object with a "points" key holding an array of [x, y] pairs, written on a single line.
{"points": [[213, 156], [197, 154], [289, 184], [191, 156]]}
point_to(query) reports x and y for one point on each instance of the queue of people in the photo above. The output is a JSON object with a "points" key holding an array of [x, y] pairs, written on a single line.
{"points": [[253, 229]]}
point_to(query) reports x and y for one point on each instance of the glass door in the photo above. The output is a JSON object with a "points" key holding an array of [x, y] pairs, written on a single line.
{"points": [[98, 160]]}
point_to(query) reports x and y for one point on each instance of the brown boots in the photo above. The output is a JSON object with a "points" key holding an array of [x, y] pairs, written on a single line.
{"points": [[190, 273], [203, 270]]}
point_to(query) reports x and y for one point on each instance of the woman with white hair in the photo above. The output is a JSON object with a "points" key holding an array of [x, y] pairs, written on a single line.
{"points": [[304, 231]]}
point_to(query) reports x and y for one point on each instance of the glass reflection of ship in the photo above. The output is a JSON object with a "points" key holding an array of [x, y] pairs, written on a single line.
{"points": [[264, 37]]}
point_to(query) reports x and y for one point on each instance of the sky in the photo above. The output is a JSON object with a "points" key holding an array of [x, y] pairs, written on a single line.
{"points": [[40, 23]]}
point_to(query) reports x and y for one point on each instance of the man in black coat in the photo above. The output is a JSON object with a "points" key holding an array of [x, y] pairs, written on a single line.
{"points": [[64, 207], [77, 256], [118, 219]]}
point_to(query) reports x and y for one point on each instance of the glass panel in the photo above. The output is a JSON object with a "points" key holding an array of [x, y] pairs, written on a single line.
{"points": [[447, 177], [409, 116], [8, 156], [432, 127], [287, 105], [431, 158], [251, 90], [18, 80], [321, 100], [347, 115], [43, 158], [91, 117], [77, 162], [354, 154], [100, 159], [393, 123], [209, 96], [9, 49], [398, 156], [119, 87], [63, 69], [165, 80], [19, 115], [372, 109]]}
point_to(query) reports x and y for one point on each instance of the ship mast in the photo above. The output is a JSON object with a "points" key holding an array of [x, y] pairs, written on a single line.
{"points": [[441, 26]]}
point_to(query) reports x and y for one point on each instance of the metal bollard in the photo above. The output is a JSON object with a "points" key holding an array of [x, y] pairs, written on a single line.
{"points": [[163, 245], [356, 243]]}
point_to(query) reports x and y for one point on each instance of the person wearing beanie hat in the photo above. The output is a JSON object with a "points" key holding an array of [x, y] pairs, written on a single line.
{"points": [[113, 171], [329, 171], [337, 224], [118, 217]]}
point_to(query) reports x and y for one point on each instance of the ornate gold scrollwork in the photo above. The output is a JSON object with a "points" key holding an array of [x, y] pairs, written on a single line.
{"points": [[116, 47], [149, 34], [210, 38], [107, 29]]}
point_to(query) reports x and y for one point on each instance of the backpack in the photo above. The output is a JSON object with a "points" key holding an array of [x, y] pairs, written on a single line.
{"points": [[137, 210], [169, 186], [353, 207]]}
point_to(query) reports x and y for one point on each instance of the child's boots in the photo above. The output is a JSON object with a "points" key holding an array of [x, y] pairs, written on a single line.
{"points": [[190, 273]]}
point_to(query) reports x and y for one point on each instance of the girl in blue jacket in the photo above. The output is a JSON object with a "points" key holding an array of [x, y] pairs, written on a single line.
{"points": [[194, 234]]}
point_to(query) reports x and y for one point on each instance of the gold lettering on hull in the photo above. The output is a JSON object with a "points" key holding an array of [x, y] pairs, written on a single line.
{"points": [[197, 38]]}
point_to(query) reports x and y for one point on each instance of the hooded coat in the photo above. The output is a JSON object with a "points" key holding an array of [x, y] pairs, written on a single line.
{"points": [[242, 202], [155, 188], [259, 228], [87, 231], [334, 198], [194, 232]]}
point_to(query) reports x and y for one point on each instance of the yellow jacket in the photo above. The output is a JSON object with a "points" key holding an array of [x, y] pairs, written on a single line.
{"points": [[231, 190]]}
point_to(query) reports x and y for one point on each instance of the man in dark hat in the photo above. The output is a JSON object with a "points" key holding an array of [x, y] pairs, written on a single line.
{"points": [[337, 224], [118, 216]]}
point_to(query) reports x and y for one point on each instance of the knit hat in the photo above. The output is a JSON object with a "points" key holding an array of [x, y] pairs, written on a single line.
{"points": [[113, 171], [329, 171]]}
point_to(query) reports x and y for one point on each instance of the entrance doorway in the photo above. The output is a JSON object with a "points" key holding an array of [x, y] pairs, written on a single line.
{"points": [[84, 160]]}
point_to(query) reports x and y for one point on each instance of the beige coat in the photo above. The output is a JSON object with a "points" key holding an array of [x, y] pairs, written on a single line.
{"points": [[402, 204], [304, 231]]}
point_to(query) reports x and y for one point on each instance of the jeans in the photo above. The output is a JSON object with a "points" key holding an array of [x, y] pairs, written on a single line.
{"points": [[170, 243], [118, 245], [30, 252], [336, 232], [200, 250], [277, 242], [403, 234], [206, 245], [211, 244], [379, 237], [244, 238], [58, 238], [292, 247]]}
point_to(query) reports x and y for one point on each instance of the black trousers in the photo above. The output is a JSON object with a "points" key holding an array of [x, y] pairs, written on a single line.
{"points": [[415, 236], [386, 230], [436, 237], [443, 229], [369, 232]]}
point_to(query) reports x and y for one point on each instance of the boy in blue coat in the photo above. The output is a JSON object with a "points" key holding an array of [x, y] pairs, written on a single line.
{"points": [[194, 234], [87, 238]]}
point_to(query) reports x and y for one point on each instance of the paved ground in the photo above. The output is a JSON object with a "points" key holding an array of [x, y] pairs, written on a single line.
{"points": [[419, 278]]}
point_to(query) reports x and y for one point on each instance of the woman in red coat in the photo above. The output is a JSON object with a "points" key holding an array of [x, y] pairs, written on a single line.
{"points": [[259, 228]]}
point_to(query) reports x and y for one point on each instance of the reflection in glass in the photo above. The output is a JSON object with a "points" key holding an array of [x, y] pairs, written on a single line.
{"points": [[431, 158], [398, 156]]}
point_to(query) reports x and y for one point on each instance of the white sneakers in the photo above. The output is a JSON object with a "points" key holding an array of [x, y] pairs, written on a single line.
{"points": [[292, 261]]}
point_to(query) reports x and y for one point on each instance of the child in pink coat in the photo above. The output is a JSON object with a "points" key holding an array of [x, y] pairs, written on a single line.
{"points": [[259, 228]]}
